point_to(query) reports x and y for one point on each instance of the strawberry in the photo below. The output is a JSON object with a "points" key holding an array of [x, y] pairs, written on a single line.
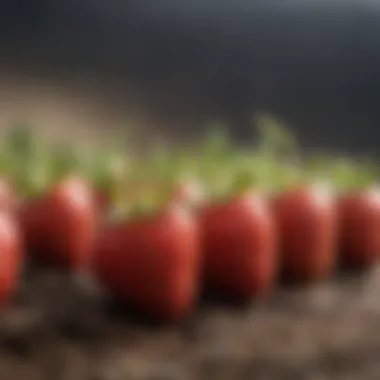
{"points": [[239, 246], [359, 223], [58, 225], [10, 255], [151, 262], [306, 221]]}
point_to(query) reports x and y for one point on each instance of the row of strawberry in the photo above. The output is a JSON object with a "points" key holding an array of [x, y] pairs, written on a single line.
{"points": [[155, 230]]}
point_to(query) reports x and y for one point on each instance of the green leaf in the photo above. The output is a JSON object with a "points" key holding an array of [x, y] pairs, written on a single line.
{"points": [[275, 139]]}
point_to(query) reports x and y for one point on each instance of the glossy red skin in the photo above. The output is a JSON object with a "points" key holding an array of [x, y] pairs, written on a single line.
{"points": [[151, 264], [59, 226], [359, 224], [239, 247], [307, 231], [10, 256]]}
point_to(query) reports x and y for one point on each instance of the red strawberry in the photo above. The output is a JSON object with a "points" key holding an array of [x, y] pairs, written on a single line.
{"points": [[359, 222], [151, 263], [306, 222], [10, 256], [59, 226], [239, 246]]}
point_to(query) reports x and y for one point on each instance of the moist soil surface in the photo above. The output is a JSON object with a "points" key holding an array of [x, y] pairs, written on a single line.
{"points": [[60, 327]]}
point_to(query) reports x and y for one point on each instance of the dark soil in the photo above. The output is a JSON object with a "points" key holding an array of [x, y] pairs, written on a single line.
{"points": [[60, 327]]}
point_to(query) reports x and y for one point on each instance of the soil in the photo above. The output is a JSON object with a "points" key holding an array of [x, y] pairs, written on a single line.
{"points": [[61, 327]]}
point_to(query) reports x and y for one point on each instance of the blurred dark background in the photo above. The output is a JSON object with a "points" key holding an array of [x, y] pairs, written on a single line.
{"points": [[176, 65]]}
